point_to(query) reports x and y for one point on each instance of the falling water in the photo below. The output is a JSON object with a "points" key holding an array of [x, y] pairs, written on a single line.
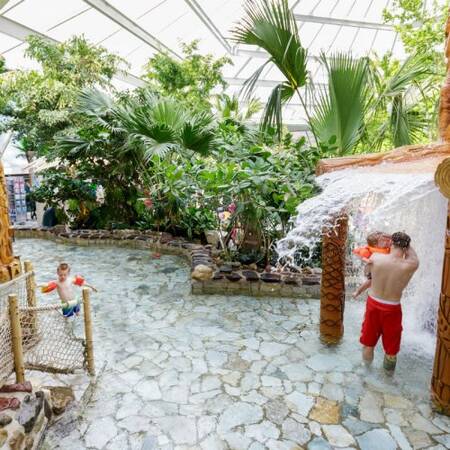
{"points": [[387, 202]]}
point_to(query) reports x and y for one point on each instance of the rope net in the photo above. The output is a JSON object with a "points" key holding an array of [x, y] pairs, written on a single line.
{"points": [[48, 338]]}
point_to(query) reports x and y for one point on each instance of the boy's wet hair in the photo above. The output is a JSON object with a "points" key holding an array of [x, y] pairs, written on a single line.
{"points": [[63, 266], [373, 238], [401, 240]]}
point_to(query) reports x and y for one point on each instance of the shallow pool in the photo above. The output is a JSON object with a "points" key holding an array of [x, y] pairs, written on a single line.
{"points": [[217, 372]]}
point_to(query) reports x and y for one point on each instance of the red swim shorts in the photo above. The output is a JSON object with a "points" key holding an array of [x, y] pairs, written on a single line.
{"points": [[382, 320]]}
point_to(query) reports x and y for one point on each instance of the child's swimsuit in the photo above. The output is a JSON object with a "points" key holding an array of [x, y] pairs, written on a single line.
{"points": [[382, 318], [68, 311]]}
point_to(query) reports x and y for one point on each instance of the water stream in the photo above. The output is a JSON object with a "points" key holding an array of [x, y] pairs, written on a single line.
{"points": [[387, 201]]}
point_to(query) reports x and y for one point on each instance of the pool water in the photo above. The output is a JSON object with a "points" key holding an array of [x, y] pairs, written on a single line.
{"points": [[218, 372]]}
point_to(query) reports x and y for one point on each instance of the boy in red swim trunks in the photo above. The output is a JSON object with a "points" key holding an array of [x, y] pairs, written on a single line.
{"points": [[390, 275], [64, 286]]}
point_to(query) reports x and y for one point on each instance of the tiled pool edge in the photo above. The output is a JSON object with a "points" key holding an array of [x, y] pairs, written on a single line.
{"points": [[224, 281]]}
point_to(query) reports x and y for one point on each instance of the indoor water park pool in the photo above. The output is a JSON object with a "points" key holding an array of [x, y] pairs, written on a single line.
{"points": [[178, 371]]}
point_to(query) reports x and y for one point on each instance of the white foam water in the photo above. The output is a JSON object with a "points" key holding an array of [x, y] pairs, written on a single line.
{"points": [[387, 202]]}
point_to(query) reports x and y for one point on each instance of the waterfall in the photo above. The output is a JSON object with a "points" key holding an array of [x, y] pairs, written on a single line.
{"points": [[386, 201]]}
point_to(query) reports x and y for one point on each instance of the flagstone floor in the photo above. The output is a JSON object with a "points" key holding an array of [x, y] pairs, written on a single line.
{"points": [[215, 372]]}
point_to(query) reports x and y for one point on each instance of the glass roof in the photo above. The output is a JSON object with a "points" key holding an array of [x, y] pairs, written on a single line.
{"points": [[136, 29]]}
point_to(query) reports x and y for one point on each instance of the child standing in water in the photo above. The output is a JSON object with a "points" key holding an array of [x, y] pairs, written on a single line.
{"points": [[64, 286]]}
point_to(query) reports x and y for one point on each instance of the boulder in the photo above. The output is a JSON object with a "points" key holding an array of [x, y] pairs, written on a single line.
{"points": [[202, 273]]}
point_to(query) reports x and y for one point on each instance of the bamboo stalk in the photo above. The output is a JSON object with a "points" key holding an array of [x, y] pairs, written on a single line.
{"points": [[88, 332], [16, 337]]}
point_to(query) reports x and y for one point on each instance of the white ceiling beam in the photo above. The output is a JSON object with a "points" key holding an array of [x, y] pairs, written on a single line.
{"points": [[203, 16], [343, 22], [126, 23], [18, 31]]}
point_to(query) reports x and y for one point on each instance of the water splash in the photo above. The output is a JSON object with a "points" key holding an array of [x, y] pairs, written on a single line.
{"points": [[387, 202]]}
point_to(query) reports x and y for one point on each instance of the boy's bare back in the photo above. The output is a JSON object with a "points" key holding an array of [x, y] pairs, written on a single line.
{"points": [[391, 274]]}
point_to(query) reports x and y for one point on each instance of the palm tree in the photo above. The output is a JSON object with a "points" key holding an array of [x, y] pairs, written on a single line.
{"points": [[395, 97], [271, 25], [229, 107], [341, 107], [150, 125]]}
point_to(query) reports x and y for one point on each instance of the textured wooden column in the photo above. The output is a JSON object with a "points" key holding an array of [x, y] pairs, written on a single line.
{"points": [[440, 381], [8, 266], [444, 106], [332, 293]]}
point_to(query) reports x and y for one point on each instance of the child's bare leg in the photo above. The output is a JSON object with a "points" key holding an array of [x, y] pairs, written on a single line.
{"points": [[389, 362], [367, 354]]}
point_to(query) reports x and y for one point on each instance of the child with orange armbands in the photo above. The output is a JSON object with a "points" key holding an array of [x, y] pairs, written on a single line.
{"points": [[64, 286], [377, 242]]}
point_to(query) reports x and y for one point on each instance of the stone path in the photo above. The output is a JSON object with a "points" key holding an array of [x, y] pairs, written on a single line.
{"points": [[214, 372]]}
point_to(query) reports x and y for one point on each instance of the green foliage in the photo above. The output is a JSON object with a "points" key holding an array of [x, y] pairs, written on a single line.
{"points": [[341, 109], [271, 25], [2, 65], [398, 88], [37, 104], [190, 80], [75, 63], [421, 26]]}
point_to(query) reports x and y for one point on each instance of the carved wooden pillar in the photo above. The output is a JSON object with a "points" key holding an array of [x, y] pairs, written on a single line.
{"points": [[444, 106], [332, 293], [440, 381], [9, 267]]}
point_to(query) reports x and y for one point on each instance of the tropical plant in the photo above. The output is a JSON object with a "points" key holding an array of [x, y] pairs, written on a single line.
{"points": [[38, 105], [189, 80], [271, 25], [395, 96], [229, 108], [340, 109]]}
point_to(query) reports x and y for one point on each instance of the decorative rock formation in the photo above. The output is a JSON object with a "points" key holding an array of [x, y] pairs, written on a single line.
{"points": [[17, 387], [202, 273], [61, 397], [332, 293], [31, 409], [9, 403]]}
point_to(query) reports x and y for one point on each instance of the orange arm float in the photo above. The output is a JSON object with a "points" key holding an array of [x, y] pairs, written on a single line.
{"points": [[362, 252], [78, 280], [51, 286]]}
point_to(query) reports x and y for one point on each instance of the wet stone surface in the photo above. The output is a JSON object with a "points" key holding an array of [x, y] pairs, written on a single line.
{"points": [[215, 372]]}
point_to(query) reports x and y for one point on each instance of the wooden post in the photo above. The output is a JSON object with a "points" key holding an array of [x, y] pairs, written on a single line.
{"points": [[444, 105], [88, 332], [31, 294], [440, 381], [332, 291], [16, 338]]}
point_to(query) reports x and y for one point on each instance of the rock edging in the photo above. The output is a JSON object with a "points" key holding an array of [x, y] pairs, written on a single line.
{"points": [[207, 278]]}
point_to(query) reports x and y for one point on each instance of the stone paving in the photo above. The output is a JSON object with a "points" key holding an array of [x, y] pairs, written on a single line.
{"points": [[186, 372]]}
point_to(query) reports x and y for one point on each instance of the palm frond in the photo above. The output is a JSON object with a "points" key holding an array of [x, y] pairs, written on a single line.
{"points": [[341, 107], [406, 124], [271, 25], [272, 116], [197, 133], [93, 102]]}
